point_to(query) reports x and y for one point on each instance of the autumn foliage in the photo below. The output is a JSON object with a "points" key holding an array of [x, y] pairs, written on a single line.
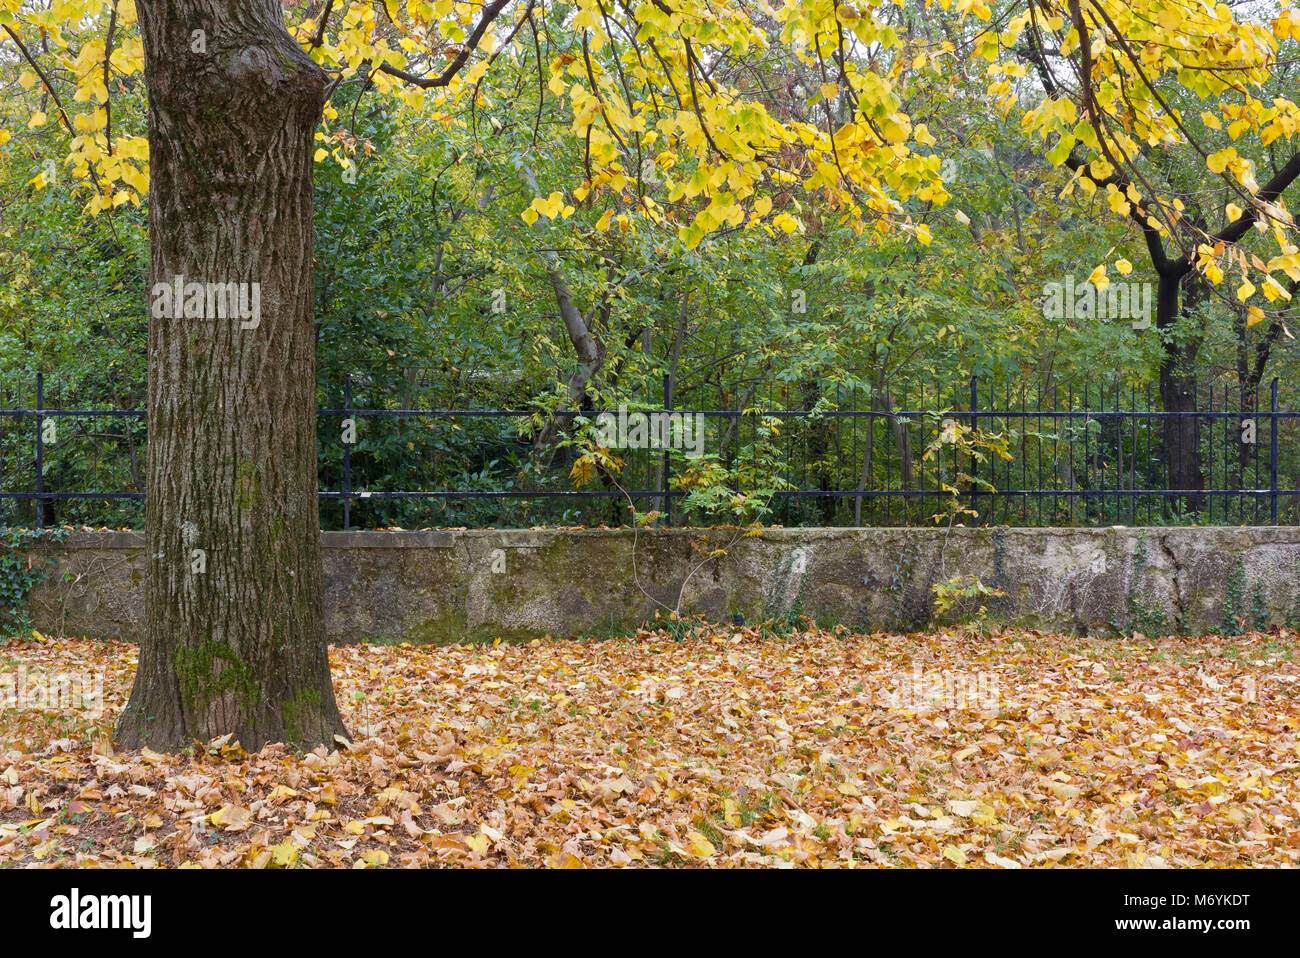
{"points": [[720, 750]]}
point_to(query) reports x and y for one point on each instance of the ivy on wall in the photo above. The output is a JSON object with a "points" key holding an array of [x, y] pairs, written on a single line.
{"points": [[20, 573]]}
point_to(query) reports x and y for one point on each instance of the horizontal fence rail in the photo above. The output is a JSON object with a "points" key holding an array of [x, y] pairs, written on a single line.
{"points": [[1074, 462]]}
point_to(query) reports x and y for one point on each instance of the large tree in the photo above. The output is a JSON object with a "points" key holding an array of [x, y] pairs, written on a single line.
{"points": [[233, 611], [1122, 85]]}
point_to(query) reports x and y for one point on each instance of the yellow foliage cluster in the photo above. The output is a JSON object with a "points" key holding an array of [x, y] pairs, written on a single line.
{"points": [[643, 91]]}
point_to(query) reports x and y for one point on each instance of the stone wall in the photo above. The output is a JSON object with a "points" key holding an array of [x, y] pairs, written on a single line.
{"points": [[478, 585]]}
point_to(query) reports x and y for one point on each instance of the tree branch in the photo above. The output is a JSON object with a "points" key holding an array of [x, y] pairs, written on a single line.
{"points": [[490, 13]]}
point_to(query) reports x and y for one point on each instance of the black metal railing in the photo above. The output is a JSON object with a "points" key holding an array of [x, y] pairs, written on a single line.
{"points": [[1087, 456]]}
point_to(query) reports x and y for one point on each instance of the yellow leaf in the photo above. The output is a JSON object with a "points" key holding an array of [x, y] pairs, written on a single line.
{"points": [[702, 847], [1218, 162], [786, 223], [231, 817], [954, 855], [1062, 791], [731, 812], [999, 861], [1273, 290], [284, 854]]}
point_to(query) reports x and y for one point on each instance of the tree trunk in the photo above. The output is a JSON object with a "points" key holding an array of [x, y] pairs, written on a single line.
{"points": [[902, 438], [1182, 453], [1178, 395], [817, 450], [234, 639]]}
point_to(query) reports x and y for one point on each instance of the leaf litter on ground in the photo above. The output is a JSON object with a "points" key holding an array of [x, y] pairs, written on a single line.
{"points": [[1011, 749]]}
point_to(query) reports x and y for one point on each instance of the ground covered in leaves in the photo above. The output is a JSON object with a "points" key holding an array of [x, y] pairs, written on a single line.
{"points": [[817, 749]]}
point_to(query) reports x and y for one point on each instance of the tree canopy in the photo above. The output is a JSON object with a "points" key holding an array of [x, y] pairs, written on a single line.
{"points": [[916, 171]]}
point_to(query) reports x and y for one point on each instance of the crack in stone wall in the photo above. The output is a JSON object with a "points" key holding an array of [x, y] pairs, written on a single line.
{"points": [[1176, 581]]}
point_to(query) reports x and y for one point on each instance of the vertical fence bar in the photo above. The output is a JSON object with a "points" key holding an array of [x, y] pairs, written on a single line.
{"points": [[1133, 457], [1242, 470], [956, 456], [1272, 456], [1200, 454], [668, 499], [40, 450], [1038, 451], [1087, 452], [1254, 455], [839, 445], [1006, 465], [1054, 456], [1198, 477], [347, 456]]}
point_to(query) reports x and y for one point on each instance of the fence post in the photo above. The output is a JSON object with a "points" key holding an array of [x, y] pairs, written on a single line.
{"points": [[40, 450], [347, 455], [668, 499], [1272, 458], [974, 460]]}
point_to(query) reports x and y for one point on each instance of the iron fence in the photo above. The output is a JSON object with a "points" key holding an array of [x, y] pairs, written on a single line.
{"points": [[1078, 456]]}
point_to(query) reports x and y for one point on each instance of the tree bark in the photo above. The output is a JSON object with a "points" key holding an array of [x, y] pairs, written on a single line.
{"points": [[235, 638], [1178, 394]]}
